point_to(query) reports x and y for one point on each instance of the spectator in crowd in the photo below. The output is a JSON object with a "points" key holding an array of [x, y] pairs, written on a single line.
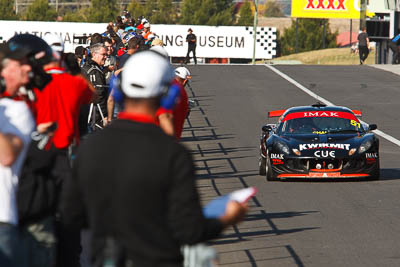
{"points": [[172, 121], [111, 60], [146, 31], [16, 126], [157, 42], [80, 53], [394, 46], [363, 45], [133, 47], [96, 38], [145, 204], [192, 42], [94, 73], [142, 22]]}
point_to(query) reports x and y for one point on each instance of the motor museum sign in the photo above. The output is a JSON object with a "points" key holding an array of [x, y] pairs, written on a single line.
{"points": [[212, 42]]}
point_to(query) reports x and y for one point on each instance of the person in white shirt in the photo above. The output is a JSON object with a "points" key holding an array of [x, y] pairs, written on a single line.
{"points": [[16, 125]]}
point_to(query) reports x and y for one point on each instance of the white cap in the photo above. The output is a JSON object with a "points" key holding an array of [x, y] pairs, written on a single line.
{"points": [[161, 50], [145, 75], [146, 25], [144, 20], [55, 42], [183, 73]]}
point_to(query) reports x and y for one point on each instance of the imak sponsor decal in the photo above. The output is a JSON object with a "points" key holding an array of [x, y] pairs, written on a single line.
{"points": [[324, 154], [324, 146], [276, 156], [321, 114], [371, 155]]}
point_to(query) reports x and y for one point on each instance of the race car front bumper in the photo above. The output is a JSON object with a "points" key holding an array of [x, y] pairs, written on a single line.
{"points": [[309, 168]]}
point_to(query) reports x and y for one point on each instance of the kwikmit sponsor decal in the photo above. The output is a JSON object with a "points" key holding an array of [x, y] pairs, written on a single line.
{"points": [[324, 146], [326, 5]]}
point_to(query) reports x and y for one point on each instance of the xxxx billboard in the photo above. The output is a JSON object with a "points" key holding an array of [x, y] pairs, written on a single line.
{"points": [[341, 9]]}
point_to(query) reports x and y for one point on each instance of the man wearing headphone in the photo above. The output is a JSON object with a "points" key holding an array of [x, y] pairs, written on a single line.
{"points": [[144, 205]]}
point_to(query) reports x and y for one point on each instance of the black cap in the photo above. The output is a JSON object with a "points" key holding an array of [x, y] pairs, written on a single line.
{"points": [[27, 46]]}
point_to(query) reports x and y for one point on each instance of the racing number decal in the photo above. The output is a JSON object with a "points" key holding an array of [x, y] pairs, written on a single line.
{"points": [[354, 123]]}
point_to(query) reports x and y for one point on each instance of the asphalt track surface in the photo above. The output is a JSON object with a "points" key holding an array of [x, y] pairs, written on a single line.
{"points": [[295, 223]]}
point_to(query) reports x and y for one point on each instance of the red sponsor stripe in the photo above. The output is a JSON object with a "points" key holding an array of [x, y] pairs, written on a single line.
{"points": [[276, 113], [358, 113], [316, 114], [322, 175]]}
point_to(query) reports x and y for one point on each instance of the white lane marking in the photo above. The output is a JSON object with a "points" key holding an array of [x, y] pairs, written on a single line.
{"points": [[326, 102]]}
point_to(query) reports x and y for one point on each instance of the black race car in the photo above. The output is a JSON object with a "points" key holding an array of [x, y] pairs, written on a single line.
{"points": [[318, 141]]}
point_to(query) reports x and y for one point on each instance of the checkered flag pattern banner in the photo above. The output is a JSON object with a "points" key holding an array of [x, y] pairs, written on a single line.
{"points": [[266, 40]]}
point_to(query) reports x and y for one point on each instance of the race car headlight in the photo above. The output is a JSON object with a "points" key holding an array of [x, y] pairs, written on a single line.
{"points": [[296, 151], [283, 147], [352, 151], [365, 146]]}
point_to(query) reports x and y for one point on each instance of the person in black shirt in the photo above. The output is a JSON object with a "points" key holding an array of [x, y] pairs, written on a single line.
{"points": [[192, 41], [363, 45], [394, 46], [140, 199], [93, 71]]}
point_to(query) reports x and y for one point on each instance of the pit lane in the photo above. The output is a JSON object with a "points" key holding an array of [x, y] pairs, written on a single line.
{"points": [[320, 223]]}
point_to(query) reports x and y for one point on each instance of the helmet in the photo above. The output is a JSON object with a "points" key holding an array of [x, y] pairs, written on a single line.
{"points": [[145, 75], [183, 73], [55, 42], [30, 47], [160, 50]]}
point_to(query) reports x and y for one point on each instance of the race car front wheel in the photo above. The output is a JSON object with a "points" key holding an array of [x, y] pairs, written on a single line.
{"points": [[269, 173], [261, 165], [376, 174]]}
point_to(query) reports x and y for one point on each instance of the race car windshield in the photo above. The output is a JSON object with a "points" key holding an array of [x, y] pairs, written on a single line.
{"points": [[320, 125]]}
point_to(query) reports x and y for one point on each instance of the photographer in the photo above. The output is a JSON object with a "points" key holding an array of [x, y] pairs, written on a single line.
{"points": [[21, 68], [94, 73]]}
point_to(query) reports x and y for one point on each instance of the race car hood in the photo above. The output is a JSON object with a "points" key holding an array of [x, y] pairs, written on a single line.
{"points": [[324, 145]]}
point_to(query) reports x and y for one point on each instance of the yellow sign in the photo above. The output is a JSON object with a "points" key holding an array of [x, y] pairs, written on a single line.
{"points": [[324, 9]]}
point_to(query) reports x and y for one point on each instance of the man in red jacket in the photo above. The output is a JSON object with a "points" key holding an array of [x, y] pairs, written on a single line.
{"points": [[172, 121], [60, 102]]}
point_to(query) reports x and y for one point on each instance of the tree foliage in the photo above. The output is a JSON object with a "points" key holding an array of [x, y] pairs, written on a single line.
{"points": [[166, 13], [246, 16], [310, 36], [7, 10], [80, 15], [273, 9], [207, 12], [103, 11], [136, 9], [40, 10]]}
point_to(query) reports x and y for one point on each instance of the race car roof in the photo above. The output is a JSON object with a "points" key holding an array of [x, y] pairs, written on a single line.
{"points": [[279, 113]]}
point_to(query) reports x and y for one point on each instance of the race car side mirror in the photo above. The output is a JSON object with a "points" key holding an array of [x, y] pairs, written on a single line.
{"points": [[372, 127], [266, 128]]}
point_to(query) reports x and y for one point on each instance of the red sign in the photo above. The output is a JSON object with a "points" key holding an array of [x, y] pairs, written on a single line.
{"points": [[322, 5]]}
